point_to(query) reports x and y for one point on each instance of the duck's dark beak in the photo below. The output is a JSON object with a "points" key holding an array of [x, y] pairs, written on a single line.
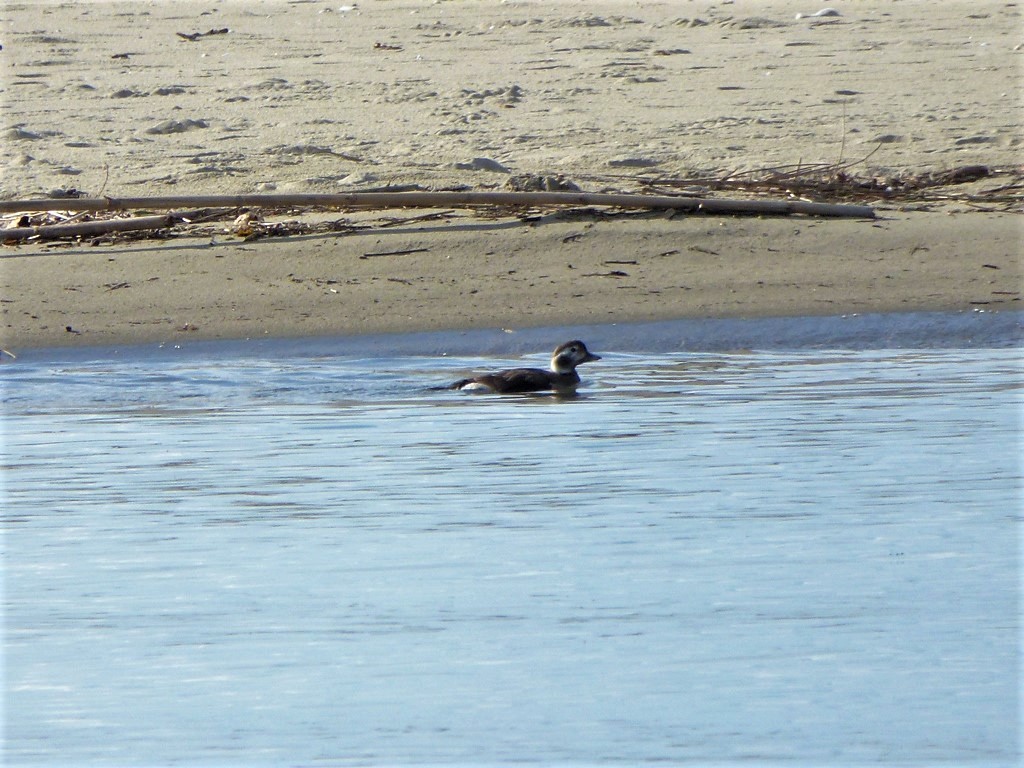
{"points": [[591, 357]]}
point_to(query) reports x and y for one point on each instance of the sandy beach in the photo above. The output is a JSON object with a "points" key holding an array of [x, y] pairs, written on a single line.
{"points": [[196, 98]]}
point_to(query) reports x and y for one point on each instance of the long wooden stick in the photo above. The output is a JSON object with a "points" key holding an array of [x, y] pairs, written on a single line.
{"points": [[86, 228], [444, 200]]}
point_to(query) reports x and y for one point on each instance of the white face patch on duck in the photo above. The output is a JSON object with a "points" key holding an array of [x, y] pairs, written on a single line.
{"points": [[565, 361]]}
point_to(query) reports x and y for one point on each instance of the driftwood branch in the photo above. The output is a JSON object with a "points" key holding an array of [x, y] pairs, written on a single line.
{"points": [[444, 200], [227, 203], [87, 228]]}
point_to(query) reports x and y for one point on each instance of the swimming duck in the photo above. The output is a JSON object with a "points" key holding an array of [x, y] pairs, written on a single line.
{"points": [[562, 378]]}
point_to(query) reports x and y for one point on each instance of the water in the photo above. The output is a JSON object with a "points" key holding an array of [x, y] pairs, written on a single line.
{"points": [[772, 557]]}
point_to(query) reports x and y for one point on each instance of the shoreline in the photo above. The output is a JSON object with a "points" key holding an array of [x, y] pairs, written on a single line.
{"points": [[975, 329], [462, 272]]}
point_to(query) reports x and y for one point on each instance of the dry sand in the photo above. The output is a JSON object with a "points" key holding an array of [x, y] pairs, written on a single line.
{"points": [[313, 96]]}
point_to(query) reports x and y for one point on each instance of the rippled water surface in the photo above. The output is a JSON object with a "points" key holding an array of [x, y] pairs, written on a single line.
{"points": [[316, 560]]}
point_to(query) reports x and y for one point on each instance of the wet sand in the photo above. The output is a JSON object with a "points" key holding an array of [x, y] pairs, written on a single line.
{"points": [[109, 98], [506, 274]]}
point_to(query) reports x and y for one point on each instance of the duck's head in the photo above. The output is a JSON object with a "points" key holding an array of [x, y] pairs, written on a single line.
{"points": [[567, 356]]}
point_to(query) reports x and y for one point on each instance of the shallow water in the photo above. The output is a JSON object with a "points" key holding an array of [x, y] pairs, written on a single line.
{"points": [[777, 557]]}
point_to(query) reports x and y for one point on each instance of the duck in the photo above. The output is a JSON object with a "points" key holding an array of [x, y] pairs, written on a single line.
{"points": [[561, 379]]}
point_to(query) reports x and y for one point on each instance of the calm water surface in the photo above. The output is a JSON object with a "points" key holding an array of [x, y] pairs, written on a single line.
{"points": [[770, 557]]}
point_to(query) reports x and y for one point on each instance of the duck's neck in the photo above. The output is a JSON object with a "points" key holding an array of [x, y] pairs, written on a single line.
{"points": [[559, 366]]}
